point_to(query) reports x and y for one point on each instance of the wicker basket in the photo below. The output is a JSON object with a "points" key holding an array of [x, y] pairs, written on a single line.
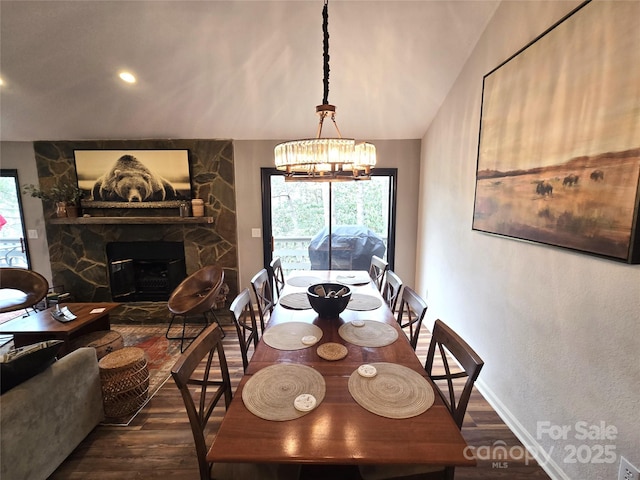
{"points": [[104, 341], [125, 381]]}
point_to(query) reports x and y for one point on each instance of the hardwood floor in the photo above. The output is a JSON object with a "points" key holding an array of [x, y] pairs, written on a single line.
{"points": [[158, 443]]}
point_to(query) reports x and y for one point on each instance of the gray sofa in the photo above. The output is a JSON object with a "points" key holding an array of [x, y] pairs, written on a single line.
{"points": [[43, 419]]}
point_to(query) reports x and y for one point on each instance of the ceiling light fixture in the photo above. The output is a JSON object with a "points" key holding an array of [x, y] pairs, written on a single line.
{"points": [[325, 158], [127, 77]]}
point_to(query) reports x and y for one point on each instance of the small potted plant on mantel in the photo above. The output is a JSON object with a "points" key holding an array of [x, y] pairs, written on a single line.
{"points": [[65, 196]]}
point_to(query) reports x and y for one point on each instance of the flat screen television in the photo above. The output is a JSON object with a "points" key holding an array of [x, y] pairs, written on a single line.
{"points": [[134, 177]]}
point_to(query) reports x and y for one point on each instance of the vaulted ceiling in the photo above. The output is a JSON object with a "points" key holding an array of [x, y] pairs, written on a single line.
{"points": [[228, 69]]}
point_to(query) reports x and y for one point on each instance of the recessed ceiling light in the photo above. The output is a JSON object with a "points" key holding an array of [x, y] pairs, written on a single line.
{"points": [[127, 77], [1, 82]]}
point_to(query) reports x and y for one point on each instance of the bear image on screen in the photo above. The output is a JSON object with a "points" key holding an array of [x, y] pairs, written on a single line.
{"points": [[133, 176], [129, 180]]}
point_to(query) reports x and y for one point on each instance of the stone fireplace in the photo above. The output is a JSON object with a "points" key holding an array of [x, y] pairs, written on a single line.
{"points": [[78, 249]]}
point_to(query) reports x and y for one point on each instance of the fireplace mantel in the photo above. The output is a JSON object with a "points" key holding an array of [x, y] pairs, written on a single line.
{"points": [[129, 220]]}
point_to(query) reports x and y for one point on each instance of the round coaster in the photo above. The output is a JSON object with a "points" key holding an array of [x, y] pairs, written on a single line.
{"points": [[332, 351], [309, 339], [367, 371], [292, 335], [395, 392], [270, 393], [305, 402]]}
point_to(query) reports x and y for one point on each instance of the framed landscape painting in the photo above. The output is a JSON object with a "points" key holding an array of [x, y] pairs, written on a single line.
{"points": [[137, 178], [559, 146]]}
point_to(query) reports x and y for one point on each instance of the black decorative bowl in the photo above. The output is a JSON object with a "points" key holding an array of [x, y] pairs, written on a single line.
{"points": [[329, 305]]}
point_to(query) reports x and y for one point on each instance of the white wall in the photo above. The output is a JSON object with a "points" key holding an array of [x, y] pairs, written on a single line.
{"points": [[20, 155], [559, 331], [250, 156]]}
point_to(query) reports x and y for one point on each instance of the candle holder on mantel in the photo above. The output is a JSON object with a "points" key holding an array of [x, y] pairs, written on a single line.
{"points": [[197, 207]]}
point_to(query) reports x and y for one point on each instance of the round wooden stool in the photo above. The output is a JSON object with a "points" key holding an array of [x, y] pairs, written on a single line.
{"points": [[125, 381], [104, 341]]}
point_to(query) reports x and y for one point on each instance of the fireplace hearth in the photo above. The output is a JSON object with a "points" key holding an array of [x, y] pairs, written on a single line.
{"points": [[145, 271]]}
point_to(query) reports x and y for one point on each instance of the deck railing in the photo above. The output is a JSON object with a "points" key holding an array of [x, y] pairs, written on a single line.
{"points": [[294, 252], [12, 253]]}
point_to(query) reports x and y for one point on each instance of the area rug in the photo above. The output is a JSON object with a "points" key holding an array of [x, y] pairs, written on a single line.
{"points": [[161, 355]]}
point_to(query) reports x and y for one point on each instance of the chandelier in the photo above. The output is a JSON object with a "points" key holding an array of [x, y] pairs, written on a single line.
{"points": [[321, 158]]}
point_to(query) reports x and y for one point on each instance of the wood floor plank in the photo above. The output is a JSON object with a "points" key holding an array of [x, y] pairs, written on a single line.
{"points": [[158, 442]]}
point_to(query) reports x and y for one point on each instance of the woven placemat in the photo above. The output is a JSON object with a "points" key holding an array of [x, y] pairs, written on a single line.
{"points": [[332, 351], [270, 393], [303, 281], [296, 301], [394, 392], [371, 334], [355, 278], [362, 302], [289, 335]]}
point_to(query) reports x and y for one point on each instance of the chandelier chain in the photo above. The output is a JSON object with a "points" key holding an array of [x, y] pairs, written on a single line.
{"points": [[325, 31]]}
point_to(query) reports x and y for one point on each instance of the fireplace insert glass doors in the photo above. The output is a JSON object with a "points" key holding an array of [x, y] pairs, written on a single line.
{"points": [[145, 271]]}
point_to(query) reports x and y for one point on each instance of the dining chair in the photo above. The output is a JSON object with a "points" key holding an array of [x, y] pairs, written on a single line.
{"points": [[245, 320], [195, 295], [450, 361], [210, 384], [377, 271], [391, 290], [277, 274], [264, 296], [410, 314], [202, 376]]}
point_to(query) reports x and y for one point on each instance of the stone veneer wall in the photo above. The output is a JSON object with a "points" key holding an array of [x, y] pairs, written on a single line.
{"points": [[77, 252]]}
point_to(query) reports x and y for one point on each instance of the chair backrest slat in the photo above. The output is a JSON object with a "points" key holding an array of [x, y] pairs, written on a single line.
{"points": [[377, 271], [391, 290], [411, 314], [449, 343], [277, 275], [264, 296], [245, 322]]}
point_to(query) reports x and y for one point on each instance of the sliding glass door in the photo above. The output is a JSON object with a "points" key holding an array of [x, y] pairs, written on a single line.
{"points": [[14, 250], [328, 225]]}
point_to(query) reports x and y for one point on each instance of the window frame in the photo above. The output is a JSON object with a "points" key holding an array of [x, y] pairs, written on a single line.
{"points": [[267, 233]]}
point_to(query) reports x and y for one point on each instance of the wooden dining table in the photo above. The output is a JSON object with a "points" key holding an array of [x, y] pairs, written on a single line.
{"points": [[339, 431]]}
